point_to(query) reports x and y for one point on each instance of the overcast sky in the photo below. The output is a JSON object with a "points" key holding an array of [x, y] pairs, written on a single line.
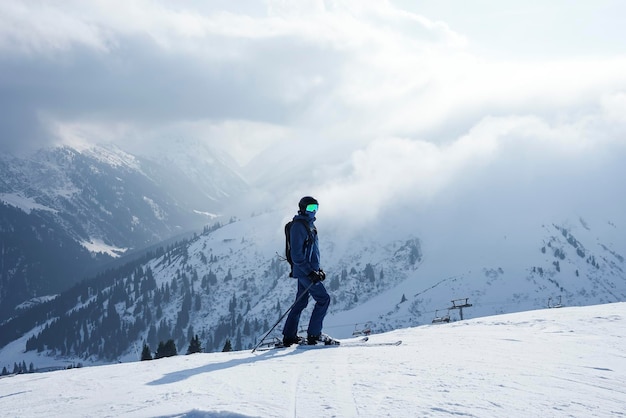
{"points": [[405, 96]]}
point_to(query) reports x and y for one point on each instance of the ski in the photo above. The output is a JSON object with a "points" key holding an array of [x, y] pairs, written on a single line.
{"points": [[331, 342], [382, 343], [271, 345], [362, 342]]}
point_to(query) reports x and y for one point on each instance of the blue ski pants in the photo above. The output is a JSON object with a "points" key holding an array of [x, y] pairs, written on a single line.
{"points": [[322, 301]]}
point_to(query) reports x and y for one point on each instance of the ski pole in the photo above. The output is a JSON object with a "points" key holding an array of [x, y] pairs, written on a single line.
{"points": [[282, 316]]}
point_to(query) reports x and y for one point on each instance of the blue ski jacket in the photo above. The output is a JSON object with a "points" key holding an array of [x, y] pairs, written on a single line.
{"points": [[305, 252]]}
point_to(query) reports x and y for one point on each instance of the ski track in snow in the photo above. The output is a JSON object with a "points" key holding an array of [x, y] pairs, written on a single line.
{"points": [[567, 362]]}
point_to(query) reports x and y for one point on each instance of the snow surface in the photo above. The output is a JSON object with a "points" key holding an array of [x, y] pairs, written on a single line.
{"points": [[35, 301], [24, 203], [553, 362], [95, 245]]}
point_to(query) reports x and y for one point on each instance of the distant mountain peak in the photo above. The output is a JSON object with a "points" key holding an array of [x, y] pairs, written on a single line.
{"points": [[102, 199]]}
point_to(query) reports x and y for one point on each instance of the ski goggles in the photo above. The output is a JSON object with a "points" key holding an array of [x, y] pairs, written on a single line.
{"points": [[312, 207]]}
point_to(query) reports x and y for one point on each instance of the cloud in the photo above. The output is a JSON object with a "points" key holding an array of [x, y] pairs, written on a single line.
{"points": [[151, 62], [45, 28], [351, 100], [509, 167]]}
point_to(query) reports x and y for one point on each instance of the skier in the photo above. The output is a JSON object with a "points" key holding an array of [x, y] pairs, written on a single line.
{"points": [[305, 255]]}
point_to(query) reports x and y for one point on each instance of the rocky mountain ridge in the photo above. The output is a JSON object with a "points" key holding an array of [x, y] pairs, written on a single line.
{"points": [[101, 202]]}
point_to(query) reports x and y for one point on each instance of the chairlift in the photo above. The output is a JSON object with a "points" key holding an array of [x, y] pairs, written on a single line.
{"points": [[439, 319], [558, 305], [365, 330]]}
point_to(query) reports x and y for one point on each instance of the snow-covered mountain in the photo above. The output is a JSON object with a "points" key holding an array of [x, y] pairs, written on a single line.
{"points": [[229, 283], [100, 202], [105, 194], [565, 362]]}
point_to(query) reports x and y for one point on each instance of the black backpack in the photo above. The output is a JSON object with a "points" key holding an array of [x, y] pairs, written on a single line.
{"points": [[288, 241]]}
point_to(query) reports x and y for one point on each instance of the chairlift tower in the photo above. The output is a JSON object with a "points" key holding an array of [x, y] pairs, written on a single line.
{"points": [[460, 304]]}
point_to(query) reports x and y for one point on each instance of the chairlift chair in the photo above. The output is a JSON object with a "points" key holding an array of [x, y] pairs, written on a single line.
{"points": [[439, 319], [366, 330]]}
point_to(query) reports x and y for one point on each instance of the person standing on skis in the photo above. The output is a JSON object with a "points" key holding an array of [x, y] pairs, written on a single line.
{"points": [[305, 254]]}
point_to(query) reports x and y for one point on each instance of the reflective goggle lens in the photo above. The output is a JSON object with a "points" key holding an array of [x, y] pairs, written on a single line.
{"points": [[312, 207]]}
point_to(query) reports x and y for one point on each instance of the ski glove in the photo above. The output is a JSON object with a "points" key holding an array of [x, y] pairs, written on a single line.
{"points": [[316, 276]]}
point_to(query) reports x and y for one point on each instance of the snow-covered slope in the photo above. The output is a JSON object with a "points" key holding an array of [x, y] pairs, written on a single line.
{"points": [[553, 362]]}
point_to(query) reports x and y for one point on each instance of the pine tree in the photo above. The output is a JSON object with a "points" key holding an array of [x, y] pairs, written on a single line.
{"points": [[333, 283], [170, 348], [167, 349], [194, 345], [227, 346], [145, 353], [198, 303], [369, 273], [160, 352]]}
